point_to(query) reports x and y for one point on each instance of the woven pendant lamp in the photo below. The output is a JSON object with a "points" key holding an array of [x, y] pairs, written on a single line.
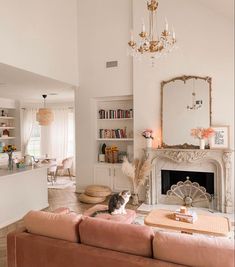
{"points": [[44, 115]]}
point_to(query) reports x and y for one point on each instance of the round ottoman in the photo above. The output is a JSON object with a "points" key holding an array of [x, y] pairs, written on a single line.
{"points": [[90, 200], [98, 191]]}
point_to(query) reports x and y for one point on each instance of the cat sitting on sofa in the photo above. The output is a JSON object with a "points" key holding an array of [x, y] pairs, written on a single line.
{"points": [[117, 204]]}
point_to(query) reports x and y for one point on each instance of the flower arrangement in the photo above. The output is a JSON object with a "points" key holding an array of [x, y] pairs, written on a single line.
{"points": [[202, 133], [9, 149], [137, 172], [147, 133]]}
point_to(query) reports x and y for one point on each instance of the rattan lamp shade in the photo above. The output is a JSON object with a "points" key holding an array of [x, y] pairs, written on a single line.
{"points": [[45, 116]]}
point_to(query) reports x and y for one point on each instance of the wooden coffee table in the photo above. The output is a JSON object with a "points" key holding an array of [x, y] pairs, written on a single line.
{"points": [[205, 224]]}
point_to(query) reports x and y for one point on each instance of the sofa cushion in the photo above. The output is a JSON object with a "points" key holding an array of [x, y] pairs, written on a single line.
{"points": [[129, 238], [122, 218], [195, 251], [55, 225]]}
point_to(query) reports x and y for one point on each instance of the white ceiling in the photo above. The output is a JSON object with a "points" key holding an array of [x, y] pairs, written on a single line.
{"points": [[29, 87], [224, 8]]}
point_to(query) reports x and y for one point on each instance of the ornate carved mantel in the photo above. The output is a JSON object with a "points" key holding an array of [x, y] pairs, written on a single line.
{"points": [[186, 159]]}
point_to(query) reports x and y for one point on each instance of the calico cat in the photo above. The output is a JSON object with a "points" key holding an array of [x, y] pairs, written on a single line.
{"points": [[116, 204]]}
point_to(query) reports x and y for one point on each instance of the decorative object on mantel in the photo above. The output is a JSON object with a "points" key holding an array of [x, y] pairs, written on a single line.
{"points": [[45, 116], [150, 43], [202, 134], [189, 193], [220, 139], [148, 135], [137, 172], [9, 149]]}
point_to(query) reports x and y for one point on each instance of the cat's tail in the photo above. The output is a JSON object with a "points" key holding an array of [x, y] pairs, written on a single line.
{"points": [[99, 212]]}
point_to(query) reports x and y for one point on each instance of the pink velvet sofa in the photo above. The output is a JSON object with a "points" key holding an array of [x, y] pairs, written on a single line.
{"points": [[67, 239]]}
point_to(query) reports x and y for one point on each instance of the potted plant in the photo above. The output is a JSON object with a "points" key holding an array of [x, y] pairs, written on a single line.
{"points": [[137, 172], [202, 134], [148, 135]]}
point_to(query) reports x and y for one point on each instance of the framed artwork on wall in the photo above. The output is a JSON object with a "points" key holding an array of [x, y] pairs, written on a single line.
{"points": [[220, 140]]}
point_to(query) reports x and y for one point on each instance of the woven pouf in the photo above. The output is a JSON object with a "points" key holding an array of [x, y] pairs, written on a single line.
{"points": [[91, 200], [98, 191]]}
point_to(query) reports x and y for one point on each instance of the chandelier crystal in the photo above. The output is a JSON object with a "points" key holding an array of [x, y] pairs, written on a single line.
{"points": [[150, 43], [196, 104]]}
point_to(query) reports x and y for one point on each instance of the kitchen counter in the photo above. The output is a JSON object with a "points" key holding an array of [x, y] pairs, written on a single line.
{"points": [[22, 190], [5, 172]]}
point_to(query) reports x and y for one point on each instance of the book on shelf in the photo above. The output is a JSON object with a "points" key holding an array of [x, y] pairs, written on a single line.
{"points": [[116, 114], [112, 133]]}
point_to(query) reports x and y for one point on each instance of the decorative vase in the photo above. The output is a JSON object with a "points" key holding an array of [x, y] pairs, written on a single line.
{"points": [[135, 199], [149, 142], [10, 161], [202, 143]]}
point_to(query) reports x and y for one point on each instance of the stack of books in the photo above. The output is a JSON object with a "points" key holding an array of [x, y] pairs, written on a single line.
{"points": [[184, 215]]}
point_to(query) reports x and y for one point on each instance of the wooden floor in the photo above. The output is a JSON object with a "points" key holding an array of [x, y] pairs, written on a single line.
{"points": [[57, 198]]}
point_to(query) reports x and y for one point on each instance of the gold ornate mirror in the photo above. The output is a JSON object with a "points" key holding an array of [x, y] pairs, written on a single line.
{"points": [[185, 104]]}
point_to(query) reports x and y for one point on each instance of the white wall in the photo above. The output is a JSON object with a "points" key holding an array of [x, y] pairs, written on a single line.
{"points": [[103, 36], [7, 103], [41, 37], [206, 48], [205, 41]]}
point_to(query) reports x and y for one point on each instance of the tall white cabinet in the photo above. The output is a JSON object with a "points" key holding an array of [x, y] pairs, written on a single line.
{"points": [[114, 128]]}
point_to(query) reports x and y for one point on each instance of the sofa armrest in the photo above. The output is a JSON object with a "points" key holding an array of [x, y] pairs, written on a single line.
{"points": [[11, 246]]}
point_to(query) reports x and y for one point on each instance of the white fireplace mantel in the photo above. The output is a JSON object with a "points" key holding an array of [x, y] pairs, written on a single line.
{"points": [[186, 159]]}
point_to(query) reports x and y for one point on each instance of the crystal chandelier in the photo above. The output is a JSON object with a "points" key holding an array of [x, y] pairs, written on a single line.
{"points": [[150, 43]]}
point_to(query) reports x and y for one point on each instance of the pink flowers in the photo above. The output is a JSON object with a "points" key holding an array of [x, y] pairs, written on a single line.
{"points": [[148, 133], [202, 133]]}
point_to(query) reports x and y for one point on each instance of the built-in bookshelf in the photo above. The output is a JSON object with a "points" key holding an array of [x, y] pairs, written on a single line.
{"points": [[7, 127], [114, 117], [114, 127]]}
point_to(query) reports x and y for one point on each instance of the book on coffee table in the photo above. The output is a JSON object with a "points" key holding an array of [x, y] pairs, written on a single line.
{"points": [[189, 217]]}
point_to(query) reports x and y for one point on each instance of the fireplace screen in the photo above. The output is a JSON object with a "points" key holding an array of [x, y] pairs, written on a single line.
{"points": [[188, 192], [170, 177]]}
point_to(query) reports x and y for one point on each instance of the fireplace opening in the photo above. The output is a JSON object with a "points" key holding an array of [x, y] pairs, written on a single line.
{"points": [[170, 177]]}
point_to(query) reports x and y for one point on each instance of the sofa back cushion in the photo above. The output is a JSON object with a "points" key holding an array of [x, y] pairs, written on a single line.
{"points": [[55, 225], [129, 238], [195, 251]]}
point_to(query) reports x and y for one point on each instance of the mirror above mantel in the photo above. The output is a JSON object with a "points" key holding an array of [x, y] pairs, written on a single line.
{"points": [[185, 104]]}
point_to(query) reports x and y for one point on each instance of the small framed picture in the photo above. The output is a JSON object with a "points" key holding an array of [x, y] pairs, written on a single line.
{"points": [[220, 140]]}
